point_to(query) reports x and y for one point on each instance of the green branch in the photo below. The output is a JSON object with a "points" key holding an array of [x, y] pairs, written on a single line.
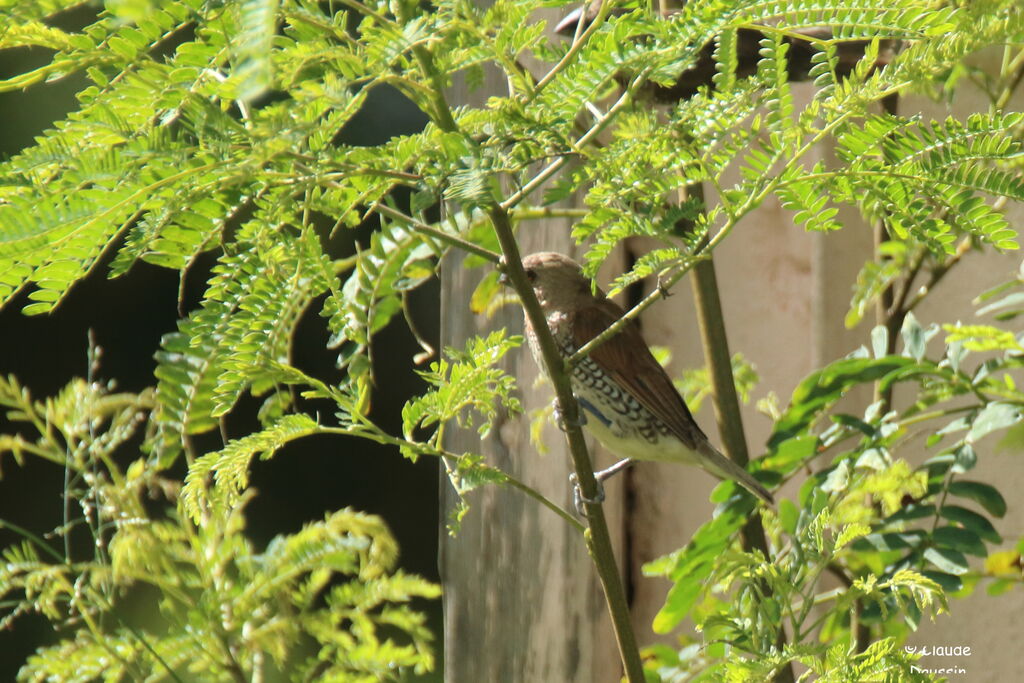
{"points": [[598, 540], [579, 40], [597, 537], [430, 230], [371, 431], [664, 284]]}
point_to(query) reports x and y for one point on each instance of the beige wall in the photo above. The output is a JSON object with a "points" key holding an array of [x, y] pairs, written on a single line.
{"points": [[785, 293]]}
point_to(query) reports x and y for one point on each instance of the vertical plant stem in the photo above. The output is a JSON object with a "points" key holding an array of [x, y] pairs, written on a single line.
{"points": [[598, 540], [885, 314], [726, 402]]}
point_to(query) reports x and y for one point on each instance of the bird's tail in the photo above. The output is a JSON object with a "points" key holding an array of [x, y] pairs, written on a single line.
{"points": [[721, 466]]}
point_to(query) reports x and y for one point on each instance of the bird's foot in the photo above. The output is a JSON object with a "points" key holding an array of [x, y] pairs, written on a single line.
{"points": [[662, 289], [563, 424], [579, 501], [609, 472]]}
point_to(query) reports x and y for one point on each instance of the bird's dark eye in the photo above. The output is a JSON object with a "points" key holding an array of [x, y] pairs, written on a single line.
{"points": [[531, 275]]}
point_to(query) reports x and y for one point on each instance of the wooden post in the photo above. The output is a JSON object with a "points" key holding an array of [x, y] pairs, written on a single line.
{"points": [[521, 597]]}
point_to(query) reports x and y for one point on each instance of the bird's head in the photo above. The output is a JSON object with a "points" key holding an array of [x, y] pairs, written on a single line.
{"points": [[557, 280]]}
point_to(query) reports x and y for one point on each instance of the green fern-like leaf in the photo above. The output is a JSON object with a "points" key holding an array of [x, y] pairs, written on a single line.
{"points": [[726, 60], [397, 260], [773, 68], [252, 305], [874, 278], [84, 658], [258, 23], [468, 384], [860, 19], [230, 466]]}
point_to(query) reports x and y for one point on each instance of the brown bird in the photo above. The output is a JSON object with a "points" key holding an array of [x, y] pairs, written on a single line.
{"points": [[628, 400]]}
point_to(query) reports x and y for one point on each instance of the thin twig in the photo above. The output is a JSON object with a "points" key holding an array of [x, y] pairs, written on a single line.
{"points": [[363, 9], [546, 502], [1015, 80], [579, 40], [370, 430], [665, 283], [425, 229], [556, 165], [908, 283], [540, 212]]}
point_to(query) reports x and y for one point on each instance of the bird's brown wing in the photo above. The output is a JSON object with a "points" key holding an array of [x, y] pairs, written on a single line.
{"points": [[626, 358]]}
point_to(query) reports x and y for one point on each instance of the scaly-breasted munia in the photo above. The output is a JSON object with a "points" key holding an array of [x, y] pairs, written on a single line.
{"points": [[628, 400]]}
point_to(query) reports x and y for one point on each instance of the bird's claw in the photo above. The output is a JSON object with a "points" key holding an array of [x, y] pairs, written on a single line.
{"points": [[579, 500], [608, 472], [663, 290], [563, 424]]}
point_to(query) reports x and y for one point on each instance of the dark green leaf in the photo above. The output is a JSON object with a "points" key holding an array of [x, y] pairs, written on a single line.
{"points": [[486, 291], [910, 513], [888, 541], [690, 566], [791, 453], [941, 462], [964, 459], [970, 519], [983, 494], [681, 598], [854, 422], [959, 539], [949, 582], [826, 386], [788, 515]]}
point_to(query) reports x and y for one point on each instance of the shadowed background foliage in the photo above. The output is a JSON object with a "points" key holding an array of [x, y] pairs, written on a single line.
{"points": [[128, 316]]}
